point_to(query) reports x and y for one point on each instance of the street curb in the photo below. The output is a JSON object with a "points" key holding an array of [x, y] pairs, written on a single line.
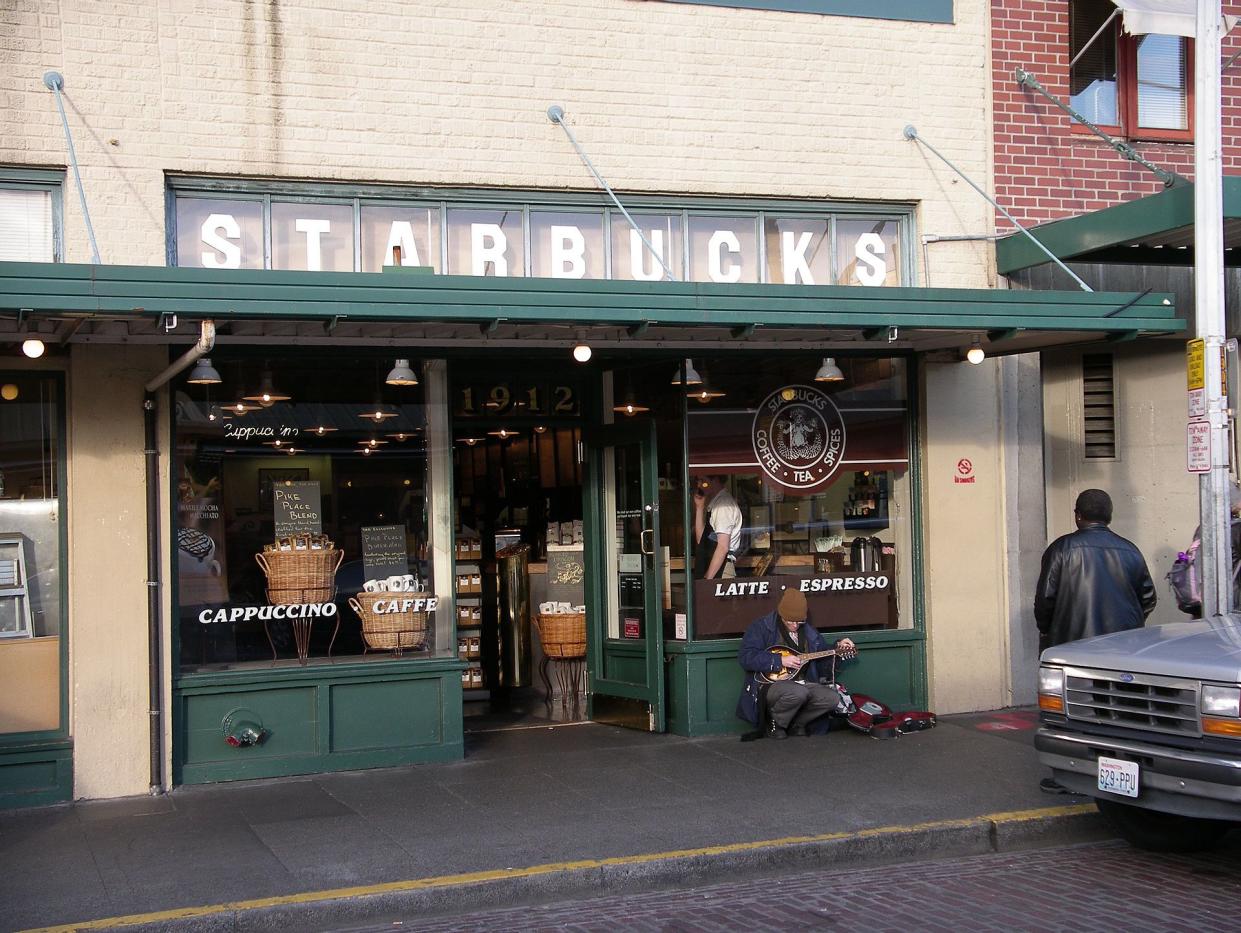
{"points": [[457, 894]]}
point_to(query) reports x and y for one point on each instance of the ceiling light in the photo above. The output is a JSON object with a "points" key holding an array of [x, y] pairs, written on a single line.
{"points": [[705, 395], [292, 450], [976, 354], [630, 407], [34, 348], [213, 413], [691, 376], [267, 395], [581, 353], [399, 437], [829, 371], [503, 434], [240, 408], [204, 374], [372, 442], [378, 415], [401, 375], [8, 391], [470, 441], [322, 429], [540, 429]]}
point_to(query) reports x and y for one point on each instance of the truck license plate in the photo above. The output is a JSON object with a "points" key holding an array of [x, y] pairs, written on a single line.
{"points": [[1118, 777]]}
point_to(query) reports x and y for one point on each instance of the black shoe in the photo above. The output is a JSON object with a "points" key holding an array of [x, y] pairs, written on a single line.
{"points": [[797, 731], [776, 732], [1052, 786]]}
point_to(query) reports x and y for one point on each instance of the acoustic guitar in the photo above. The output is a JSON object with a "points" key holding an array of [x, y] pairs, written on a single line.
{"points": [[789, 673]]}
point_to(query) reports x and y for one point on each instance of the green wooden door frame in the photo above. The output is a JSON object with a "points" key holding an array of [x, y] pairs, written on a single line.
{"points": [[954, 315], [596, 527]]}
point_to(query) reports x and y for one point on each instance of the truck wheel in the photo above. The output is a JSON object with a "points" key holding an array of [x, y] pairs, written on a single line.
{"points": [[1162, 832]]}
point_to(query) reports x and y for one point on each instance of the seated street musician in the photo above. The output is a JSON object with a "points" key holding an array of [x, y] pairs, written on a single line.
{"points": [[786, 685]]}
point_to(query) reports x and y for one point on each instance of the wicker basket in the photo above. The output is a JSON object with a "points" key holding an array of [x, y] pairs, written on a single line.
{"points": [[563, 634], [301, 576], [391, 631]]}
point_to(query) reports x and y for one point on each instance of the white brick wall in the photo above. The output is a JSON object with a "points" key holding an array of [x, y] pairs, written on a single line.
{"points": [[666, 98]]}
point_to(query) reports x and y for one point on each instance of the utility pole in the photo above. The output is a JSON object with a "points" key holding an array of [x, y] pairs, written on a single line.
{"points": [[1213, 493]]}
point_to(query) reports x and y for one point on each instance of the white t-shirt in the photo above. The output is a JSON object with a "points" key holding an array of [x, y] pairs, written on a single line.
{"points": [[725, 518]]}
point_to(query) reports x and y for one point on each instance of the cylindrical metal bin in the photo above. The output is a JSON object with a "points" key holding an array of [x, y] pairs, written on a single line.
{"points": [[515, 646]]}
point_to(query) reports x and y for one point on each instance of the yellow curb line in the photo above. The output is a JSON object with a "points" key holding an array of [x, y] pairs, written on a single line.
{"points": [[445, 881]]}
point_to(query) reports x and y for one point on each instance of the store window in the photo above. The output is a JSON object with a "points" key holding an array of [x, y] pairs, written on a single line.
{"points": [[31, 535], [303, 525], [1135, 85], [800, 479], [29, 209]]}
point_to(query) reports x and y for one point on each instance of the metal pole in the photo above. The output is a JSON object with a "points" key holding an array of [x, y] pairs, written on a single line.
{"points": [[54, 82], [1209, 307], [556, 115], [911, 133]]}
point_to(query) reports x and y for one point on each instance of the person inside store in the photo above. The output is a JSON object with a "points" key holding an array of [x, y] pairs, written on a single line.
{"points": [[772, 648], [717, 529]]}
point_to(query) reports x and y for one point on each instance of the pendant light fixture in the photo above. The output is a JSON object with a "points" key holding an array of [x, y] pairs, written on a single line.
{"points": [[469, 441], [401, 375], [829, 371], [34, 347], [322, 429], [630, 407], [582, 353], [371, 442], [378, 414], [703, 393], [241, 408], [267, 395], [976, 354], [204, 374], [213, 413], [503, 434], [690, 377]]}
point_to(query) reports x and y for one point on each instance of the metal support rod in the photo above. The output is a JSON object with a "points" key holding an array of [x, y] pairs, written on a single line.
{"points": [[1213, 494], [912, 133], [202, 346], [1169, 179], [1082, 51], [556, 115], [155, 649], [55, 82]]}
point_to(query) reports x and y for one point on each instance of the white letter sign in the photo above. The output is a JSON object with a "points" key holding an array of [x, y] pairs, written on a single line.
{"points": [[638, 256], [215, 230], [314, 230], [568, 253], [488, 244], [715, 260], [870, 269], [402, 235], [796, 269]]}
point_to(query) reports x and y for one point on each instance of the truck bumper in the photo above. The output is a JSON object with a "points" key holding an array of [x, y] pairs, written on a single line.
{"points": [[1170, 780]]}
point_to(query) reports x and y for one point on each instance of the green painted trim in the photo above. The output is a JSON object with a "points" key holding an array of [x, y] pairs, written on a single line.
{"points": [[279, 295], [16, 792], [919, 11], [320, 764], [334, 671], [913, 376], [1074, 237]]}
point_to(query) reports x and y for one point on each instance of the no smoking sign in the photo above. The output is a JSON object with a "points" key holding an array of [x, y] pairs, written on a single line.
{"points": [[965, 471]]}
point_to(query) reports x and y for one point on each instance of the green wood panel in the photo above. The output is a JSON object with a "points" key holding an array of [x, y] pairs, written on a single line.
{"points": [[922, 11], [319, 719], [705, 680], [36, 777], [624, 663], [386, 715]]}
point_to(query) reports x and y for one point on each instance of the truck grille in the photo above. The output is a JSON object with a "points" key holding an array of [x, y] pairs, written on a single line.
{"points": [[1145, 701]]}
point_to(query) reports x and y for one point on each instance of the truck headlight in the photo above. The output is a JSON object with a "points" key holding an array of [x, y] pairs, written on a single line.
{"points": [[1051, 689], [1221, 701], [1221, 710]]}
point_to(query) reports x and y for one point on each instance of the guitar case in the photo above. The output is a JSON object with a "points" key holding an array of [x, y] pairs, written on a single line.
{"points": [[876, 719]]}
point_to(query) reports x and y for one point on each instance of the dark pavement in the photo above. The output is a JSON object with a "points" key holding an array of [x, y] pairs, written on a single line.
{"points": [[521, 809], [1100, 887]]}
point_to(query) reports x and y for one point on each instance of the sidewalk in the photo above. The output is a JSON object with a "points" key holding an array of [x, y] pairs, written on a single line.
{"points": [[528, 815]]}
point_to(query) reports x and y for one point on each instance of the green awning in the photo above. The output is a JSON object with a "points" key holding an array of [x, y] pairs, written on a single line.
{"points": [[1156, 230], [317, 306]]}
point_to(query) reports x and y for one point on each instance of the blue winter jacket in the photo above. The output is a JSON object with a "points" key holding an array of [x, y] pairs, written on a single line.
{"points": [[754, 657]]}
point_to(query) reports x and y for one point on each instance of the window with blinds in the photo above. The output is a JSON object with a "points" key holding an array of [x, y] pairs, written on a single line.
{"points": [[1138, 86], [1099, 406], [26, 225]]}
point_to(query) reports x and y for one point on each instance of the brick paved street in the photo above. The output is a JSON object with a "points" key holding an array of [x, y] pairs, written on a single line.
{"points": [[1107, 886]]}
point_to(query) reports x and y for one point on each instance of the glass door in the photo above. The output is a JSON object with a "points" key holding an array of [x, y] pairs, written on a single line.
{"points": [[624, 599]]}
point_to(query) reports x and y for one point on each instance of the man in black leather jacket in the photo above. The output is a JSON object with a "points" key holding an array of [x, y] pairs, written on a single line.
{"points": [[1093, 581]]}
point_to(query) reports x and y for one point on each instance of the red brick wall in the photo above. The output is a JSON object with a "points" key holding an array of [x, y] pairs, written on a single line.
{"points": [[1044, 170]]}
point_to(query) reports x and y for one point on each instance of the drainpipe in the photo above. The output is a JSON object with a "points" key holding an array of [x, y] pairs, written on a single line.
{"points": [[155, 665]]}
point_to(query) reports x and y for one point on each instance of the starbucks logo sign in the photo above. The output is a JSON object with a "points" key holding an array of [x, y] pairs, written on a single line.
{"points": [[798, 436]]}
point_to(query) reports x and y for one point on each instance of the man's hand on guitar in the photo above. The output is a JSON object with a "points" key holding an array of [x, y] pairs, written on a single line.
{"points": [[846, 645], [791, 661]]}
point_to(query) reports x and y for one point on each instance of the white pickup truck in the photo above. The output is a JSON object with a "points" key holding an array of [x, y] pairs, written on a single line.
{"points": [[1148, 722]]}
